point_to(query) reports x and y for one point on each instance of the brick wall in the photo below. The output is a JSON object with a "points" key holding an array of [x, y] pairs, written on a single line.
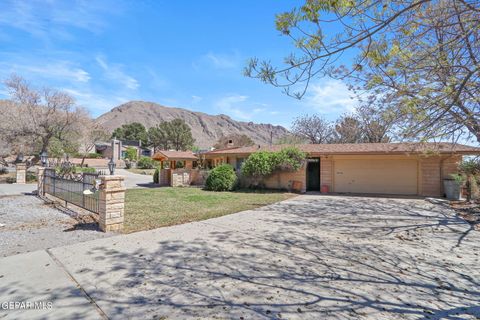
{"points": [[284, 180], [450, 165], [432, 172], [164, 177], [430, 177], [326, 167]]}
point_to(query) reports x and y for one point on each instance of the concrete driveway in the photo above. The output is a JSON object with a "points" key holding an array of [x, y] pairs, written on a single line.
{"points": [[134, 180], [311, 257], [8, 189]]}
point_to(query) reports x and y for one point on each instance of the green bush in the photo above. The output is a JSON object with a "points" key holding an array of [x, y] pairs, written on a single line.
{"points": [[156, 175], [221, 178], [259, 164], [262, 164], [289, 159], [179, 164], [131, 154], [145, 163], [93, 155], [10, 180], [85, 169], [31, 177]]}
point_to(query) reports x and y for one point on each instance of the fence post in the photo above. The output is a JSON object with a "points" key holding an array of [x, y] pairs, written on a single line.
{"points": [[40, 180], [21, 169], [111, 203]]}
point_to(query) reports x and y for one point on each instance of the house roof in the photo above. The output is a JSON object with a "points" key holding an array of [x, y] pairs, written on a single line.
{"points": [[360, 148], [174, 155]]}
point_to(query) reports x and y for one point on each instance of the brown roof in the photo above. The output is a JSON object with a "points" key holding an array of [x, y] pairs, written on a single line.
{"points": [[361, 148], [174, 155]]}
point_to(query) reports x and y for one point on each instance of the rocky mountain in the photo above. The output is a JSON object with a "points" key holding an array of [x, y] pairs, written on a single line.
{"points": [[206, 129]]}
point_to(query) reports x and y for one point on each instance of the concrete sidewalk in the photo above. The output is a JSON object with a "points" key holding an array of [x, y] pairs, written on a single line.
{"points": [[36, 278]]}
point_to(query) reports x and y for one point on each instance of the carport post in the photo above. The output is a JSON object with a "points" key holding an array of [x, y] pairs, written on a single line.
{"points": [[112, 203]]}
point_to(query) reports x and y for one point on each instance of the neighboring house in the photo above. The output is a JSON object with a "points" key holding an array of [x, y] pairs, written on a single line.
{"points": [[120, 149], [171, 159], [377, 168]]}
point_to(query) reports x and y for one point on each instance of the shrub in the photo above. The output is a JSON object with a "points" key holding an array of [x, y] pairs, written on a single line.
{"points": [[179, 164], [11, 180], [290, 159], [263, 164], [145, 163], [221, 178], [3, 170], [131, 154], [470, 168], [259, 164], [156, 175], [85, 169], [93, 155], [31, 177]]}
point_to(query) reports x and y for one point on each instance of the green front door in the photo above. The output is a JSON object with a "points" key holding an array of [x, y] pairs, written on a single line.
{"points": [[313, 174]]}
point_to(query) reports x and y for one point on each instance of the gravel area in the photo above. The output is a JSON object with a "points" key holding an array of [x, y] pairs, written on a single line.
{"points": [[27, 224]]}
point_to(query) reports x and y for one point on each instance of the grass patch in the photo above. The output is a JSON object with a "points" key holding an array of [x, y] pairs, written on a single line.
{"points": [[148, 172], [153, 208]]}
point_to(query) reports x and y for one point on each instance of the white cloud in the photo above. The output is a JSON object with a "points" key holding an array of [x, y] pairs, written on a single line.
{"points": [[233, 105], [46, 19], [222, 60], [58, 70], [97, 103], [229, 105], [114, 72], [331, 97], [196, 99]]}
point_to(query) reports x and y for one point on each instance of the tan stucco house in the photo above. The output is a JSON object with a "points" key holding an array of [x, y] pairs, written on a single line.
{"points": [[171, 159], [376, 168]]}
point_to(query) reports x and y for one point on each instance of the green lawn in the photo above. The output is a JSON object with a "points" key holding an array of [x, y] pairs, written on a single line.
{"points": [[153, 208]]}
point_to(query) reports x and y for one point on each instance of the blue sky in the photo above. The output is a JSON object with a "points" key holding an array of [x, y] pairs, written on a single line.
{"points": [[187, 54]]}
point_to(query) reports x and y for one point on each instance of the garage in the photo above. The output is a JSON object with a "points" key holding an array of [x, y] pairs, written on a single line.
{"points": [[384, 176]]}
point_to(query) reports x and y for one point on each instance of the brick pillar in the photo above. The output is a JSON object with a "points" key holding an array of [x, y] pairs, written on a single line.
{"points": [[112, 203], [40, 176], [21, 173]]}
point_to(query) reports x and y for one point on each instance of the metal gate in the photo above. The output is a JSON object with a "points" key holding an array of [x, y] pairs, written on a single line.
{"points": [[70, 188]]}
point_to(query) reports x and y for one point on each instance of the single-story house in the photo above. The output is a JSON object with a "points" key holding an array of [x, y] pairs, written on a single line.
{"points": [[171, 159], [376, 168]]}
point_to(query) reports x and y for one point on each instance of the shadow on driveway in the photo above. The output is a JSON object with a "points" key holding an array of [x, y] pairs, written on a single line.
{"points": [[312, 257]]}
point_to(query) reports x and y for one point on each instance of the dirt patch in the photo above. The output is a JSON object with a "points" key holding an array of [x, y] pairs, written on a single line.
{"points": [[470, 212]]}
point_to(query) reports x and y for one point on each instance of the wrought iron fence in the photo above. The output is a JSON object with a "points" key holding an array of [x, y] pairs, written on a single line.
{"points": [[71, 188]]}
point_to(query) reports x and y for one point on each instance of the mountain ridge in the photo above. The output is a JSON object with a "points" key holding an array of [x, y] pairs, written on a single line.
{"points": [[206, 128]]}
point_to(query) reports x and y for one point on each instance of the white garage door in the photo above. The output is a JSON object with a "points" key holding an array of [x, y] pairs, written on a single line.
{"points": [[376, 176]]}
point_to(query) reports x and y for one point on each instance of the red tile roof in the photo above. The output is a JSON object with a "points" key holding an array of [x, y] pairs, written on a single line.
{"points": [[174, 155], [361, 148]]}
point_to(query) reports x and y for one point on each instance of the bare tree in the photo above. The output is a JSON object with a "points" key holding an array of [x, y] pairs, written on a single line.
{"points": [[348, 129], [91, 134], [34, 117], [314, 128], [377, 125]]}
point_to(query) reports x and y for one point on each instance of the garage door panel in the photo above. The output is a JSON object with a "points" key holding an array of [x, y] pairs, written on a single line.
{"points": [[376, 176]]}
